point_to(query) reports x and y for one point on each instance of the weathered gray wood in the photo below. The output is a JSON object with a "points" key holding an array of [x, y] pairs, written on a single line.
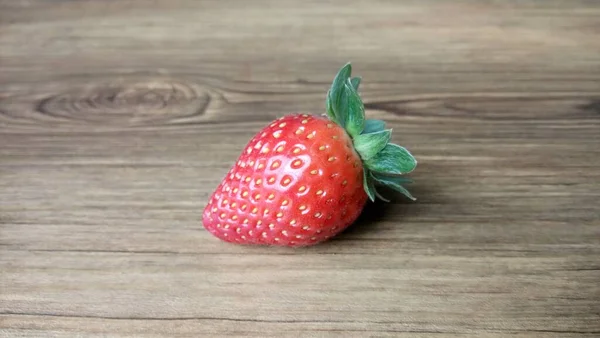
{"points": [[117, 119]]}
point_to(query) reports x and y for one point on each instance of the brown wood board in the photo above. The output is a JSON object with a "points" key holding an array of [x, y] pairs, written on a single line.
{"points": [[119, 118]]}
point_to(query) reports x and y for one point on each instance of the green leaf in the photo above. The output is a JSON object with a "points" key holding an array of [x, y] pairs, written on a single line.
{"points": [[372, 126], [341, 109], [355, 82], [381, 197], [369, 185], [400, 180], [336, 99], [355, 118], [404, 192], [392, 182], [330, 111], [368, 145], [393, 159]]}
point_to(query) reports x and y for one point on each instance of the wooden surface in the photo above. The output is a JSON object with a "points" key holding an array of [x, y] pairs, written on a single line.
{"points": [[118, 118]]}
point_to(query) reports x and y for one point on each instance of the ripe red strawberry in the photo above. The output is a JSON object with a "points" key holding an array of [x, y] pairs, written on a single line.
{"points": [[303, 179]]}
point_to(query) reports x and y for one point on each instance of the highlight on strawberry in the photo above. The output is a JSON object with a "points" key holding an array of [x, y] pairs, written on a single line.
{"points": [[303, 178]]}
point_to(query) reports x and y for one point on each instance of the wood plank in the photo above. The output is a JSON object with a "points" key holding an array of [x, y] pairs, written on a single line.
{"points": [[117, 119]]}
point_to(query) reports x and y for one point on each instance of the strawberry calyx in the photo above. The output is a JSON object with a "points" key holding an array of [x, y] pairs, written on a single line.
{"points": [[384, 162]]}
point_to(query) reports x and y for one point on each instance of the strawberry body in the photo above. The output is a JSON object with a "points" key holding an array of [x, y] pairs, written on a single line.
{"points": [[303, 179], [296, 183]]}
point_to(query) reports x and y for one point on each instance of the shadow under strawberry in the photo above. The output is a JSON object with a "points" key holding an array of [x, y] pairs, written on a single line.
{"points": [[375, 212], [372, 215]]}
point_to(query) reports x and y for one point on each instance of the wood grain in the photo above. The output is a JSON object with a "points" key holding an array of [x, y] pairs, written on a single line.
{"points": [[118, 118]]}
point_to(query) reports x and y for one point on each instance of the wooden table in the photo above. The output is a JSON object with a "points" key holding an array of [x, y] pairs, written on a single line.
{"points": [[119, 118]]}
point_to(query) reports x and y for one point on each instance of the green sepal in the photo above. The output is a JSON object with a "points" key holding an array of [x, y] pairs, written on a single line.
{"points": [[329, 109], [400, 180], [341, 109], [372, 126], [368, 145], [393, 183], [381, 197], [355, 121], [336, 97], [383, 162], [355, 82], [393, 159], [369, 185]]}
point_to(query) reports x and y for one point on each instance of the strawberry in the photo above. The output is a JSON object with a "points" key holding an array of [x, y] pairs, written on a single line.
{"points": [[303, 179]]}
